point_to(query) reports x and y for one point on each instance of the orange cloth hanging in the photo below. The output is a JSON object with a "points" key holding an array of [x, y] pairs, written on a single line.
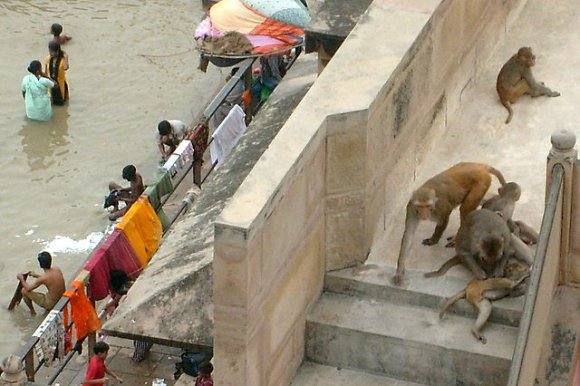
{"points": [[142, 228], [84, 316]]}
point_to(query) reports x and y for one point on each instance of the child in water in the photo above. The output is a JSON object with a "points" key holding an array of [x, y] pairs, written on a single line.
{"points": [[56, 31]]}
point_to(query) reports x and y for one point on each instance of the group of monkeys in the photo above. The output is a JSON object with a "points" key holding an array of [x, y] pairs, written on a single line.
{"points": [[492, 245]]}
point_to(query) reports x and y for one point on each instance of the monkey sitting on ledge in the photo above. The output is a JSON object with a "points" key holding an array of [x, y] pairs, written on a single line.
{"points": [[515, 79]]}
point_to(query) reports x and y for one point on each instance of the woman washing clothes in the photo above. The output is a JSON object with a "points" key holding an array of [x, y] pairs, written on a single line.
{"points": [[56, 63], [35, 88]]}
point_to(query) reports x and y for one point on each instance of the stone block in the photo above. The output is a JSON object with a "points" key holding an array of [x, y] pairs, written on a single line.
{"points": [[230, 285], [296, 288], [345, 239], [447, 38], [374, 214], [315, 181], [345, 162], [280, 368], [284, 228]]}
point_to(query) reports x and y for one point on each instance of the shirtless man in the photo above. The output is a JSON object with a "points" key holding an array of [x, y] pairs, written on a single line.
{"points": [[127, 195], [56, 30], [52, 279]]}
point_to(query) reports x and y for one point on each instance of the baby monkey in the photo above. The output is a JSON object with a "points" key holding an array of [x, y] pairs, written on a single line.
{"points": [[505, 202], [515, 79], [480, 293]]}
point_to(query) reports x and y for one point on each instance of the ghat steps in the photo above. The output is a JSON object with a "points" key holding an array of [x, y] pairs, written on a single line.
{"points": [[364, 326]]}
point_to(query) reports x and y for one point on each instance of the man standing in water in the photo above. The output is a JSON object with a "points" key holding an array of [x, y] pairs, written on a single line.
{"points": [[52, 279]]}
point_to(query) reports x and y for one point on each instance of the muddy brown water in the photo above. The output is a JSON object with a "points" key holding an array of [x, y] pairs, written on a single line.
{"points": [[132, 64]]}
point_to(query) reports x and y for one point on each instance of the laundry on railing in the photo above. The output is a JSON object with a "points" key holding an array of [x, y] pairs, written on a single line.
{"points": [[115, 253], [84, 316], [227, 135], [178, 163], [156, 191], [50, 336], [143, 229]]}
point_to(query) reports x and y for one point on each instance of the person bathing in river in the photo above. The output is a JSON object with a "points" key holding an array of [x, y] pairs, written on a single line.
{"points": [[56, 31], [35, 88], [52, 279], [169, 134], [55, 64], [128, 195]]}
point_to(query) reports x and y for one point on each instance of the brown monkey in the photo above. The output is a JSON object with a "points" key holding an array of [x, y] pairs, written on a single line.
{"points": [[480, 293], [483, 245], [504, 202], [463, 184], [515, 79]]}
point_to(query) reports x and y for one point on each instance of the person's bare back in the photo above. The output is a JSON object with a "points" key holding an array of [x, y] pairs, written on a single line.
{"points": [[52, 279]]}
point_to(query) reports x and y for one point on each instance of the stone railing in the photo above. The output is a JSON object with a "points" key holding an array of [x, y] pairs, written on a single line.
{"points": [[329, 183], [556, 265]]}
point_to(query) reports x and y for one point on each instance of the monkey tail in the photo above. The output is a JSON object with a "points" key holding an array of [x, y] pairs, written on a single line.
{"points": [[498, 174], [455, 260], [460, 295], [508, 106]]}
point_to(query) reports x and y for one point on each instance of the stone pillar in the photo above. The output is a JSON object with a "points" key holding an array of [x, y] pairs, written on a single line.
{"points": [[564, 153]]}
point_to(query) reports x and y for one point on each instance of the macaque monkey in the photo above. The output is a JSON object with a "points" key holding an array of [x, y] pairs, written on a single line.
{"points": [[463, 184], [515, 79], [504, 202], [483, 245], [480, 294]]}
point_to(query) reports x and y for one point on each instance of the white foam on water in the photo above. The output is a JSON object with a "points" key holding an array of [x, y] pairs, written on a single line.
{"points": [[63, 244], [30, 231]]}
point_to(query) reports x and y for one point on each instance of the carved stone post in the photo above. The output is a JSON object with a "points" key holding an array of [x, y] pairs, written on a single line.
{"points": [[564, 153]]}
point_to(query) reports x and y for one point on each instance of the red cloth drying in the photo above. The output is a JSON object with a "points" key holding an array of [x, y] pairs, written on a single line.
{"points": [[114, 253]]}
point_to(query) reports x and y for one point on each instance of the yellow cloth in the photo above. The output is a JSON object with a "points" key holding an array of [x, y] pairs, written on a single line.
{"points": [[142, 228], [233, 15], [61, 76]]}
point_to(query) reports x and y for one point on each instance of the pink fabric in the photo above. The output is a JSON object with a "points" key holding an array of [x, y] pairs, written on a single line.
{"points": [[264, 40], [114, 253]]}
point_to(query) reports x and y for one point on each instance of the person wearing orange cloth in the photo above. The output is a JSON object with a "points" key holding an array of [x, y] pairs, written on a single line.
{"points": [[56, 64]]}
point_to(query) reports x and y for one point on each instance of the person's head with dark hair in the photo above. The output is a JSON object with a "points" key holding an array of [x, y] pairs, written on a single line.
{"points": [[45, 260], [56, 29], [205, 369], [54, 49], [129, 172], [35, 67], [164, 128], [101, 349], [119, 281]]}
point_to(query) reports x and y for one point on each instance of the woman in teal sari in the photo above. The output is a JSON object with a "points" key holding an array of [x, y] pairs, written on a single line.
{"points": [[35, 90]]}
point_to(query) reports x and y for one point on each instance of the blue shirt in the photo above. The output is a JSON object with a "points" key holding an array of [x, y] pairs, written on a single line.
{"points": [[37, 97]]}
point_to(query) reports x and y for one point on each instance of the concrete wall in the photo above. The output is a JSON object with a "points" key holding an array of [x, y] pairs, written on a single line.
{"points": [[330, 181]]}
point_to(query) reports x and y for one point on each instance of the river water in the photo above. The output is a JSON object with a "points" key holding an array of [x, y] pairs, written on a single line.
{"points": [[132, 64]]}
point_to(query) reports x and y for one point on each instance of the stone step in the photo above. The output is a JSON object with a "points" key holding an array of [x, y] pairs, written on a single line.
{"points": [[375, 282], [406, 342], [312, 374]]}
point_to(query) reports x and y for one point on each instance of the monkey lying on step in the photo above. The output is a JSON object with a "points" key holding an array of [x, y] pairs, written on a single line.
{"points": [[480, 293]]}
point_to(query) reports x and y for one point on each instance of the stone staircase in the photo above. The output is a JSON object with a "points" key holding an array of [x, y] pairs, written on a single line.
{"points": [[363, 327]]}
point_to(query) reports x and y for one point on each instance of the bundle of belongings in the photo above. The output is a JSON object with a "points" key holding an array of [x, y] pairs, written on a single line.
{"points": [[241, 27]]}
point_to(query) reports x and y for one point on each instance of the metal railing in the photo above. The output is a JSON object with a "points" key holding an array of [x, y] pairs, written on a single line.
{"points": [[548, 219]]}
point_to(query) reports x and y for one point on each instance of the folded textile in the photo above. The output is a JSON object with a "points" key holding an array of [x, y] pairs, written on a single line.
{"points": [[227, 135]]}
